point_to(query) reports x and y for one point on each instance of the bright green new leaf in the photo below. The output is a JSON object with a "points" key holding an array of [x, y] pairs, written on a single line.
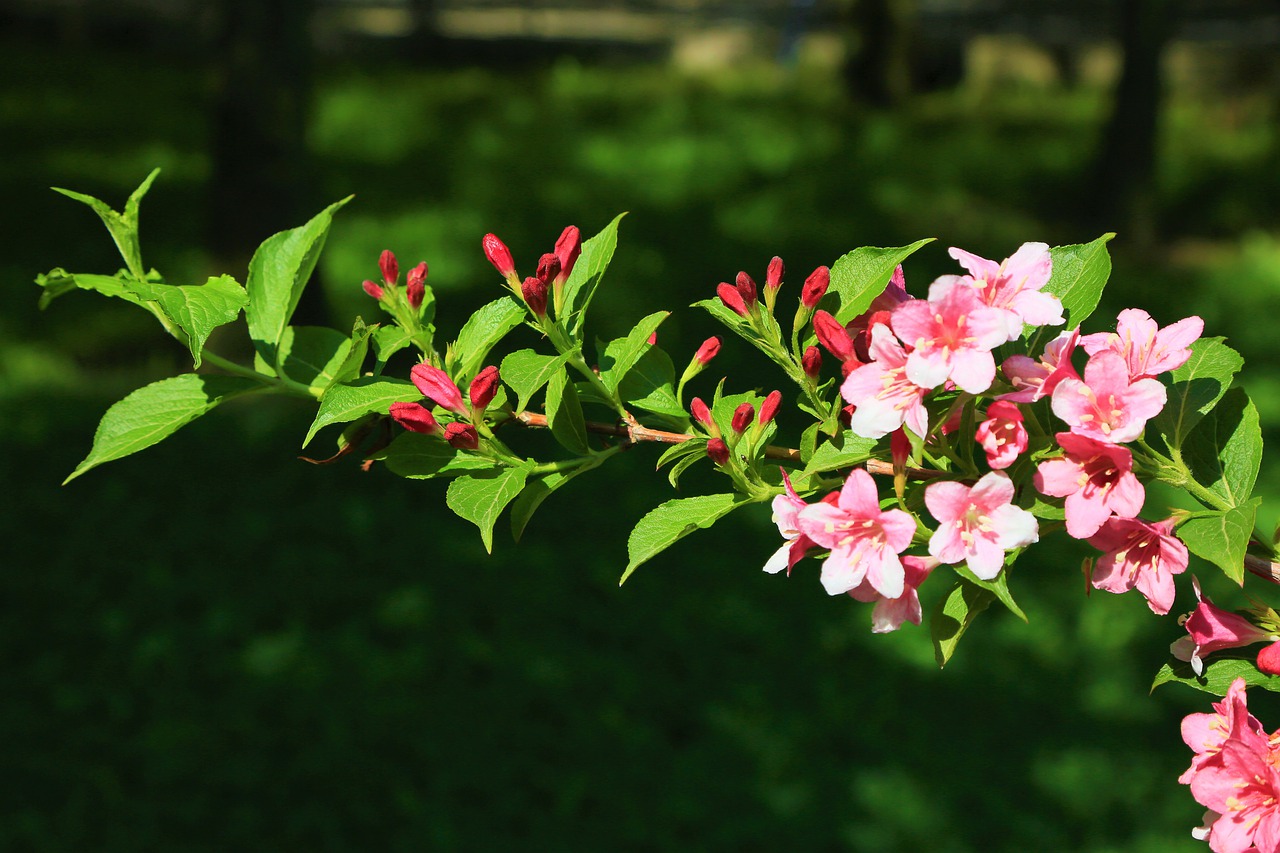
{"points": [[1196, 387], [538, 490], [350, 367], [1224, 451], [650, 385], [622, 354], [481, 333], [481, 497], [387, 341], [590, 267], [665, 525], [1218, 675], [350, 401], [123, 226], [861, 275], [1080, 273], [58, 281], [564, 414], [312, 355], [844, 452], [525, 371], [999, 586], [683, 455], [953, 616], [196, 309], [1222, 537], [155, 412], [278, 272], [421, 457]]}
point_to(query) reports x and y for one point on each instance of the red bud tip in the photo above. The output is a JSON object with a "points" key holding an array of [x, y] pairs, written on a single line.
{"points": [[372, 289], [415, 290], [769, 408], [499, 255], [811, 361], [462, 436], [653, 338], [899, 447], [815, 287], [718, 451], [484, 387], [1269, 659], [742, 417], [732, 299], [710, 349], [747, 287], [534, 291], [436, 386], [833, 335], [700, 412], [415, 417], [773, 276], [548, 267], [390, 267], [568, 248]]}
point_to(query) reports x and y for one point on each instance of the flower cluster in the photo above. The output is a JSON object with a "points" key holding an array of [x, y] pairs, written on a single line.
{"points": [[553, 271]]}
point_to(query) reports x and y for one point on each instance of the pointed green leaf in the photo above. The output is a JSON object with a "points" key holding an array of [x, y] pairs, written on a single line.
{"points": [[58, 281], [421, 457], [692, 447], [650, 385], [861, 275], [665, 525], [387, 341], [123, 226], [564, 414], [312, 355], [999, 586], [196, 309], [846, 451], [537, 491], [353, 400], [350, 367], [481, 333], [623, 353], [525, 371], [1196, 387], [953, 616], [1080, 273], [673, 476], [1218, 675], [589, 269], [481, 497], [155, 412], [1222, 537], [1224, 451]]}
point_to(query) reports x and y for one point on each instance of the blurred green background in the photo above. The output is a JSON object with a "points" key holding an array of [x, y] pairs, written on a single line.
{"points": [[213, 646]]}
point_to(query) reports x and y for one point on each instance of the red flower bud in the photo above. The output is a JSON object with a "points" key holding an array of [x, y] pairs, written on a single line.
{"points": [[389, 266], [700, 412], [548, 267], [815, 287], [718, 451], [534, 291], [415, 289], [415, 417], [769, 407], [436, 386], [811, 361], [730, 296], [462, 436], [1269, 659], [653, 338], [568, 248], [372, 289], [742, 417], [484, 387], [747, 287], [899, 447], [773, 276], [710, 349], [833, 335], [499, 255]]}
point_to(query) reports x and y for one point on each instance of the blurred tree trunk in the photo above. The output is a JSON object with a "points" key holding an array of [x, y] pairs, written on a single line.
{"points": [[1125, 168], [878, 70]]}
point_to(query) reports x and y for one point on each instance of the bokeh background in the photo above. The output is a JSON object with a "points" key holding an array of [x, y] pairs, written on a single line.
{"points": [[213, 646]]}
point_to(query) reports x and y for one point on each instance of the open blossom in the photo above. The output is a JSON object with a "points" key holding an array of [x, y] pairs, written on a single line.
{"points": [[1147, 349], [890, 613], [951, 335], [786, 511], [1002, 435], [884, 397], [1105, 405], [864, 540], [1036, 379], [1097, 480], [1211, 629], [1013, 286], [1139, 554], [978, 524]]}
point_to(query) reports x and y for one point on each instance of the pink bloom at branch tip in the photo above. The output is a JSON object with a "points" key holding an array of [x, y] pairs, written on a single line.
{"points": [[1140, 555], [1014, 286], [978, 524], [1147, 349]]}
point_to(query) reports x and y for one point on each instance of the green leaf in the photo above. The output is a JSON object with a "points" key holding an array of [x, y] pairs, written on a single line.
{"points": [[349, 369], [387, 341], [278, 272], [590, 267], [155, 412], [312, 355], [123, 226], [480, 333], [1222, 537], [953, 616], [350, 401], [58, 281], [526, 372], [665, 525], [845, 451], [673, 476], [999, 586], [481, 497], [623, 353], [1080, 273], [1224, 451], [650, 385], [694, 446], [861, 275], [537, 491], [421, 457], [564, 414], [1218, 674], [1196, 387], [196, 309]]}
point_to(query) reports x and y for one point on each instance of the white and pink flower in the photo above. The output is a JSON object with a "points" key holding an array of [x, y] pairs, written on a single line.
{"points": [[951, 336], [1013, 286], [889, 613], [1140, 555], [978, 524], [1002, 435], [1105, 405], [1147, 349], [1211, 629], [1036, 379], [786, 510], [1096, 479], [884, 397]]}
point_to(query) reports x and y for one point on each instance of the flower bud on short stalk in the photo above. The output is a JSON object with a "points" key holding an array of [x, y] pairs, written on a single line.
{"points": [[415, 289], [1269, 659], [710, 349], [811, 361], [718, 451], [415, 417], [534, 291], [899, 452], [833, 335], [462, 436], [732, 299], [483, 388], [772, 282], [769, 408], [390, 268], [500, 256], [436, 385], [746, 286], [373, 290], [548, 268], [815, 287], [742, 417], [702, 415]]}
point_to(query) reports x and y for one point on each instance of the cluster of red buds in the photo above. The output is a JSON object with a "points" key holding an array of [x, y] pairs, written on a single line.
{"points": [[439, 390], [415, 288], [553, 270]]}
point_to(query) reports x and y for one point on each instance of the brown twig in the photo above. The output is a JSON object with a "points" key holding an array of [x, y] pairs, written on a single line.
{"points": [[1262, 567]]}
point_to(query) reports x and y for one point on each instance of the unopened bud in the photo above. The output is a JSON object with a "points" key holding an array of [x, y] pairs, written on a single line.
{"points": [[811, 361], [773, 276], [732, 299], [436, 386], [548, 267], [568, 248], [462, 436], [499, 255], [718, 451], [833, 335], [742, 417], [484, 387], [1269, 659], [390, 267], [534, 291], [769, 408], [652, 339], [415, 289], [815, 287], [747, 287], [415, 417], [899, 448], [701, 413], [710, 349], [372, 289]]}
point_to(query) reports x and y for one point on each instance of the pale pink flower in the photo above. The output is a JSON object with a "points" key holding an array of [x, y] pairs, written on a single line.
{"points": [[1013, 286], [1036, 379], [978, 524], [889, 613], [864, 540], [786, 509], [1147, 349], [1105, 405], [1140, 554], [1211, 629], [1002, 435], [1205, 733], [436, 385], [1097, 480], [885, 398], [951, 335]]}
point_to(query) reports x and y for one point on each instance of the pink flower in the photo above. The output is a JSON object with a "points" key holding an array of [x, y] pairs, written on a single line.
{"points": [[786, 511], [1002, 435], [890, 613], [1097, 480], [952, 336], [1139, 554], [864, 540], [1211, 629], [1013, 286], [436, 385], [1104, 405], [1037, 379], [1147, 349], [883, 394], [978, 525]]}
